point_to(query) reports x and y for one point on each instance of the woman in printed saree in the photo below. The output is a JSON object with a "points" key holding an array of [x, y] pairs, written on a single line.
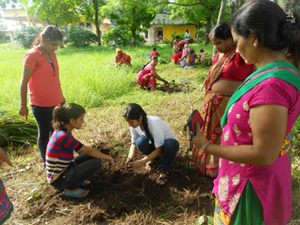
{"points": [[254, 180], [225, 75], [6, 206]]}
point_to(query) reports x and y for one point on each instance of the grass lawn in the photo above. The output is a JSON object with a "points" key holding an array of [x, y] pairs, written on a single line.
{"points": [[89, 77]]}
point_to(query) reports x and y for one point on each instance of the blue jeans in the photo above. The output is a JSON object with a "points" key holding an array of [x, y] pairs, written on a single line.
{"points": [[43, 117], [169, 151], [82, 168]]}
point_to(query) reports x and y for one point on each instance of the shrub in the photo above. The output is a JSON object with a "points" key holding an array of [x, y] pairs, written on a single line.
{"points": [[26, 35], [80, 36], [3, 37], [116, 36], [202, 36]]}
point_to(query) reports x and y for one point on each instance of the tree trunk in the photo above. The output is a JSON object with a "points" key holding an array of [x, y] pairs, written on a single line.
{"points": [[221, 12], [220, 18], [290, 5], [133, 36], [208, 27], [98, 31]]}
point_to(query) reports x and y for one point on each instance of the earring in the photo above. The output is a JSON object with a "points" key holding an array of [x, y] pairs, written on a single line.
{"points": [[255, 44]]}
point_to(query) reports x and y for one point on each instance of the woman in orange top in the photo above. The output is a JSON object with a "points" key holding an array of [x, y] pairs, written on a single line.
{"points": [[121, 57], [41, 76]]}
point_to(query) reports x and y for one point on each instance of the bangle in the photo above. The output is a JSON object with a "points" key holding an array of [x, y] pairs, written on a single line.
{"points": [[205, 145]]}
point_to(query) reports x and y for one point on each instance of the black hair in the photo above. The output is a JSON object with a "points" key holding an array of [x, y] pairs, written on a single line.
{"points": [[62, 114], [221, 31], [134, 111], [154, 49], [50, 33], [273, 28]]}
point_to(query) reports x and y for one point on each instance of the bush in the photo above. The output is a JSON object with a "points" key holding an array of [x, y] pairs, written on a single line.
{"points": [[26, 35], [202, 36], [116, 36], [3, 37], [80, 36]]}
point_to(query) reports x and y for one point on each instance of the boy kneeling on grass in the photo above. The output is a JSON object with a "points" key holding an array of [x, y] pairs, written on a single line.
{"points": [[64, 172]]}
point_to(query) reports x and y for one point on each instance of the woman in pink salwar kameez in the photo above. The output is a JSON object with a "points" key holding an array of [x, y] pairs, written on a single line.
{"points": [[253, 186]]}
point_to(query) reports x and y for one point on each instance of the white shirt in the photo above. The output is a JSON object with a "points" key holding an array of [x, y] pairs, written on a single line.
{"points": [[159, 130]]}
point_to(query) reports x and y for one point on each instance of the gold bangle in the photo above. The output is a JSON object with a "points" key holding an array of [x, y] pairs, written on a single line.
{"points": [[205, 145]]}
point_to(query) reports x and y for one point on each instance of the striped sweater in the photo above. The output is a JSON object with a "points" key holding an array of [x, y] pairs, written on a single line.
{"points": [[60, 153]]}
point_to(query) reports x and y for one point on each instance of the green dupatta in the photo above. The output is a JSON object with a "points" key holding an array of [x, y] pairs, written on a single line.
{"points": [[281, 70]]}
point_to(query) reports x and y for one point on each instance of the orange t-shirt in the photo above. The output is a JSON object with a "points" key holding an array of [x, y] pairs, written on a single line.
{"points": [[44, 84]]}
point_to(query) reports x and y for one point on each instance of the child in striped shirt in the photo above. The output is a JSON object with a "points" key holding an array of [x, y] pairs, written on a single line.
{"points": [[64, 172]]}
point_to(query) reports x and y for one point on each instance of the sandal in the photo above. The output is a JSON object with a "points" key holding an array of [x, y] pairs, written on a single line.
{"points": [[85, 183], [162, 179], [76, 193], [194, 118]]}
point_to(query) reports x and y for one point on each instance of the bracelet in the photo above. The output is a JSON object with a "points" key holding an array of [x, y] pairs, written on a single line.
{"points": [[205, 145]]}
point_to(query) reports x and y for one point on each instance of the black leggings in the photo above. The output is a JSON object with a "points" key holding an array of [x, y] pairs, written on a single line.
{"points": [[43, 117], [82, 168]]}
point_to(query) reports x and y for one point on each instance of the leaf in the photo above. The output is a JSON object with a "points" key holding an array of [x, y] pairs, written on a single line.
{"points": [[201, 220]]}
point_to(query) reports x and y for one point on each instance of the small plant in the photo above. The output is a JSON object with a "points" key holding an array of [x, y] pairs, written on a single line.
{"points": [[205, 220]]}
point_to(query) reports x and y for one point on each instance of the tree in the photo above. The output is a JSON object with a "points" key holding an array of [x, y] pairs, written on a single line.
{"points": [[11, 3], [290, 5], [200, 12], [90, 11], [61, 13], [135, 15], [55, 12]]}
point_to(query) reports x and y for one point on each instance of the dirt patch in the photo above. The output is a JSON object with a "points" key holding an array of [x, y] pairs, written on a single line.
{"points": [[119, 197], [173, 87]]}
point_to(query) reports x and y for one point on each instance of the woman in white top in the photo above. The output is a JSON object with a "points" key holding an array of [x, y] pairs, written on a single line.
{"points": [[153, 137]]}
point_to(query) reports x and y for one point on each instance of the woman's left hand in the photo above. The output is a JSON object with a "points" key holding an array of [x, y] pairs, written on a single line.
{"points": [[136, 164], [199, 140]]}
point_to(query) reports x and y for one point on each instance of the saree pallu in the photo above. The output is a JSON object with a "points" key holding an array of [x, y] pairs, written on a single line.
{"points": [[6, 206], [213, 108]]}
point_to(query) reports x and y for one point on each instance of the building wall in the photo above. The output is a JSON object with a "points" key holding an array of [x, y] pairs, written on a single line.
{"points": [[179, 29]]}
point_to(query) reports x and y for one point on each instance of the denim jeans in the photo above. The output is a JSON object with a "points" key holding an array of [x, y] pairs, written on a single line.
{"points": [[82, 168], [43, 117], [169, 150]]}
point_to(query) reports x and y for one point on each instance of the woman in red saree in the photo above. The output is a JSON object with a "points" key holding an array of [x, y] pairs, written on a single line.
{"points": [[225, 75]]}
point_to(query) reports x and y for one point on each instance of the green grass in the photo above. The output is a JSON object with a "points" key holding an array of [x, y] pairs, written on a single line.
{"points": [[88, 75]]}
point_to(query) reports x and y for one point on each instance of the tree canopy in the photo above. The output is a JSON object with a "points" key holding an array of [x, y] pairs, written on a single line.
{"points": [[135, 15]]}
